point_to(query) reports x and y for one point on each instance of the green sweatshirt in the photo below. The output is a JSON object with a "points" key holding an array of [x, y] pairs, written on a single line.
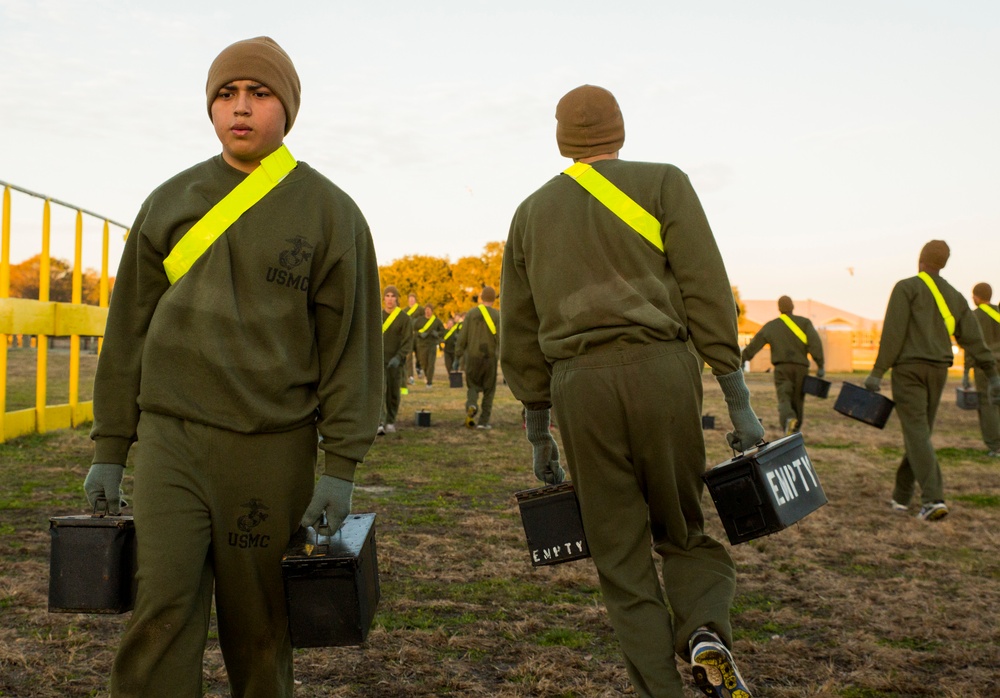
{"points": [[432, 335], [276, 326], [397, 340], [991, 334], [475, 340], [576, 279], [786, 347], [914, 331]]}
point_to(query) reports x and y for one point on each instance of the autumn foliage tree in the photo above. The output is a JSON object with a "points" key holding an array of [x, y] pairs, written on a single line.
{"points": [[448, 286], [24, 281]]}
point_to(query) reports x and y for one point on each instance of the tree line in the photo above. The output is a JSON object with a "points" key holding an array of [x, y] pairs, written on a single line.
{"points": [[448, 286]]}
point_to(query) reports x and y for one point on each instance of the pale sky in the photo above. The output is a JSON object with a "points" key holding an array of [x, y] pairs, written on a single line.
{"points": [[828, 141]]}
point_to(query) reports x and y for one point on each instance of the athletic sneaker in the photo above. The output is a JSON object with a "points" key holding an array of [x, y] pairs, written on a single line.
{"points": [[791, 426], [390, 428], [896, 506], [483, 426], [381, 430], [470, 414], [713, 668], [933, 511], [995, 453]]}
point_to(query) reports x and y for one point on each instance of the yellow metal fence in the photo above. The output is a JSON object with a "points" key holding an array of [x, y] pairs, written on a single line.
{"points": [[43, 319]]}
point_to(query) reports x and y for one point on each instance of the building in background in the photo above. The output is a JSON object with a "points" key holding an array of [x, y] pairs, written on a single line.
{"points": [[850, 342]]}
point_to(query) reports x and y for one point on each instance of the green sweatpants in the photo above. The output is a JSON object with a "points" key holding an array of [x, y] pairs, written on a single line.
{"points": [[212, 509], [480, 377], [630, 422], [989, 414], [917, 389], [788, 379], [394, 380], [427, 356]]}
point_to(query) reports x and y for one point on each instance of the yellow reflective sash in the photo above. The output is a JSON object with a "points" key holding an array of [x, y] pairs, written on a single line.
{"points": [[990, 311], [392, 316], [428, 323], [202, 234], [451, 331], [489, 320], [794, 328], [412, 309], [617, 201], [949, 319]]}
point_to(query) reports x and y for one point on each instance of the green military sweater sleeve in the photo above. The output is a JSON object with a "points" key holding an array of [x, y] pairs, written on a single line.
{"points": [[349, 340], [525, 366], [759, 341], [815, 344], [139, 284]]}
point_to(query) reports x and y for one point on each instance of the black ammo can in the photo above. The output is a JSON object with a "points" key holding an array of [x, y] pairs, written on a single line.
{"points": [[864, 405], [423, 418], [455, 379], [967, 398], [331, 584], [92, 564], [707, 421], [762, 491], [813, 385], [552, 524]]}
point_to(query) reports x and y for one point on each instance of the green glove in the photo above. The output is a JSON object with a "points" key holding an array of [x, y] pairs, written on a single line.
{"points": [[820, 372], [873, 382], [545, 451], [333, 496], [995, 390], [966, 383], [393, 362], [104, 481], [747, 429]]}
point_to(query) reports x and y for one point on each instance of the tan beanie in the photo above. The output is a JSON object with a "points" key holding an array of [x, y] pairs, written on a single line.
{"points": [[488, 295], [935, 254], [390, 289], [257, 59], [785, 305], [588, 123], [983, 291]]}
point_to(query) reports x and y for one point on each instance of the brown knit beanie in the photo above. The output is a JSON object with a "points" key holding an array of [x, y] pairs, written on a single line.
{"points": [[983, 291], [257, 59], [588, 123], [488, 295], [935, 254], [390, 289], [785, 305]]}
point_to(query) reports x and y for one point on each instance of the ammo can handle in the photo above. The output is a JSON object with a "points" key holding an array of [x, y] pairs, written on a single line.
{"points": [[756, 446], [102, 512]]}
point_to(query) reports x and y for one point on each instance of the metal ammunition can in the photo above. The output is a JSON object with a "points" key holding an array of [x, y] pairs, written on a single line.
{"points": [[765, 490], [332, 584]]}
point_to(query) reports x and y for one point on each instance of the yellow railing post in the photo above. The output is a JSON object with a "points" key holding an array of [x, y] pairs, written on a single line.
{"points": [[42, 365], [102, 300], [74, 340], [4, 293]]}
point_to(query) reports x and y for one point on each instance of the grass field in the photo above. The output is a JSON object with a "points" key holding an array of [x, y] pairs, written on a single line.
{"points": [[854, 601]]}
